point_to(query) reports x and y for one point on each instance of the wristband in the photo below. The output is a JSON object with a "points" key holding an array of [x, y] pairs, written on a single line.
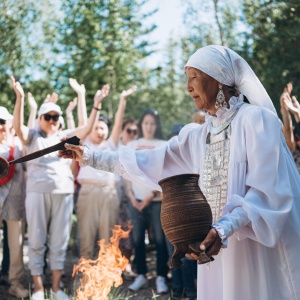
{"points": [[98, 109]]}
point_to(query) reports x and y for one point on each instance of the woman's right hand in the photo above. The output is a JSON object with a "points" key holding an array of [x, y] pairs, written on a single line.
{"points": [[128, 92], [100, 95], [31, 101], [72, 151], [17, 87], [78, 88]]}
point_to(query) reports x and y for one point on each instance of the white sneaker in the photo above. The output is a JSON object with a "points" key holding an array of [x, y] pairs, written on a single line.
{"points": [[39, 295], [161, 286], [59, 295], [139, 282]]}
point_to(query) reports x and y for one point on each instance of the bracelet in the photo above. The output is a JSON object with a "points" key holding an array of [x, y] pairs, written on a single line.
{"points": [[98, 109]]}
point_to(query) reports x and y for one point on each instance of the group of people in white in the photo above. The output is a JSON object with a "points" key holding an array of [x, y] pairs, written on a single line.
{"points": [[50, 186], [257, 224]]}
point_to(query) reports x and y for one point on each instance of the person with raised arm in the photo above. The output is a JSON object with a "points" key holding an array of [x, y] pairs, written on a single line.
{"points": [[123, 132], [81, 107], [247, 174], [33, 110], [99, 195], [69, 113], [119, 117], [49, 189]]}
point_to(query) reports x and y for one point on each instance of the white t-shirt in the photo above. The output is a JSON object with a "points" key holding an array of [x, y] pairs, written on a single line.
{"points": [[89, 174], [141, 191], [48, 173]]}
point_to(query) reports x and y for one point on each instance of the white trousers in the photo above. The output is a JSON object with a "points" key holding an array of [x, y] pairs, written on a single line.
{"points": [[49, 218]]}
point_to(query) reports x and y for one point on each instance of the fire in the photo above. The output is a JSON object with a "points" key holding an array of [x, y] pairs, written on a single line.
{"points": [[98, 276]]}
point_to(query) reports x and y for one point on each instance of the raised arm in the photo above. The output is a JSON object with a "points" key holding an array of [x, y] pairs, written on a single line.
{"points": [[117, 128], [81, 108], [287, 129], [69, 114], [33, 110], [82, 132], [18, 121]]}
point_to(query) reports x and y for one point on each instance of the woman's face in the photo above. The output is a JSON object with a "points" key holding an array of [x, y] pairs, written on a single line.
{"points": [[49, 122], [149, 127], [99, 132], [202, 88], [129, 133]]}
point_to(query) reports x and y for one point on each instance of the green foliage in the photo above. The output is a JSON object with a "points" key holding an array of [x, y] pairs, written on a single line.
{"points": [[164, 90], [21, 51], [274, 54], [102, 42]]}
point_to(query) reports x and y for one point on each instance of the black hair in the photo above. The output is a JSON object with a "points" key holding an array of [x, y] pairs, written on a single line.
{"points": [[236, 92], [128, 121], [152, 112], [105, 119]]}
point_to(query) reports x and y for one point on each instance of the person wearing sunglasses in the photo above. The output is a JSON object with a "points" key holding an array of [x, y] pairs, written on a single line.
{"points": [[49, 189], [12, 204], [129, 131]]}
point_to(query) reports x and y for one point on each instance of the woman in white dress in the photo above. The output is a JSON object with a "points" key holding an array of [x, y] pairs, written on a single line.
{"points": [[246, 172]]}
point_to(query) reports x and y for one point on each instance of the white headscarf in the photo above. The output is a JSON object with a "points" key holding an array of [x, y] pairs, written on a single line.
{"points": [[228, 68]]}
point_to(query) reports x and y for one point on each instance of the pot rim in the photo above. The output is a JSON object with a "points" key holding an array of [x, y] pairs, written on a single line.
{"points": [[178, 176]]}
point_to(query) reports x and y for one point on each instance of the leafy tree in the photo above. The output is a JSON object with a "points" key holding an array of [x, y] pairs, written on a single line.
{"points": [[21, 49], [102, 42], [164, 90], [275, 34], [211, 22]]}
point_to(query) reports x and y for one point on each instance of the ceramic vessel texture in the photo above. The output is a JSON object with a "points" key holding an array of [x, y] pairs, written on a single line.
{"points": [[186, 216]]}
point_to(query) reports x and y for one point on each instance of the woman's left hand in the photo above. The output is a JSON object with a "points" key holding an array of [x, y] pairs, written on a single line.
{"points": [[212, 244]]}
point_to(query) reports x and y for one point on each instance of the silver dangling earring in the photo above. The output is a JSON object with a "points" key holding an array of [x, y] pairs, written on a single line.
{"points": [[220, 101]]}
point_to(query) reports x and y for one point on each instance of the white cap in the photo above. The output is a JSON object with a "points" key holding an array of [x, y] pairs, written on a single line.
{"points": [[47, 107], [4, 114]]}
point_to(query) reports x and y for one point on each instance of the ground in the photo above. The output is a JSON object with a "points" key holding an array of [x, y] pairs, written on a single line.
{"points": [[69, 283]]}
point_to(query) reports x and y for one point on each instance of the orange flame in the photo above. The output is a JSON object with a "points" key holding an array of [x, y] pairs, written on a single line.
{"points": [[98, 276]]}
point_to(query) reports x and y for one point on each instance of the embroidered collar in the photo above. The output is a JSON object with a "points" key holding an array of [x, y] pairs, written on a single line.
{"points": [[223, 114]]}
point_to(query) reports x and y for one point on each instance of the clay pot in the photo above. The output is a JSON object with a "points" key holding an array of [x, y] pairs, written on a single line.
{"points": [[186, 216]]}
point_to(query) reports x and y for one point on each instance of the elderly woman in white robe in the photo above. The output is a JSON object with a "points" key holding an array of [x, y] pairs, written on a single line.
{"points": [[246, 172]]}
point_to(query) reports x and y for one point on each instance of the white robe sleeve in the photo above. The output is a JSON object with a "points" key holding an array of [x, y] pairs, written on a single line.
{"points": [[147, 166], [262, 213]]}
